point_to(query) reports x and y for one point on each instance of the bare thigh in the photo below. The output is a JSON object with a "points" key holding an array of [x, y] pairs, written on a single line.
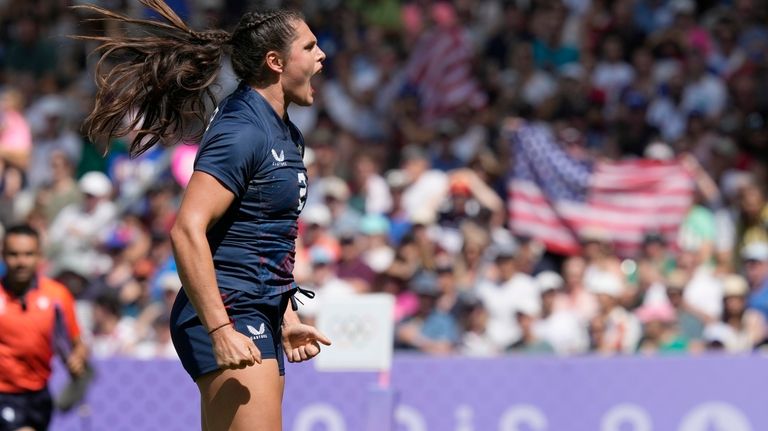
{"points": [[239, 400]]}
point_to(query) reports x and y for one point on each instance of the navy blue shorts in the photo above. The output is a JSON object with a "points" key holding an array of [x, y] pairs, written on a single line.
{"points": [[258, 317], [26, 409]]}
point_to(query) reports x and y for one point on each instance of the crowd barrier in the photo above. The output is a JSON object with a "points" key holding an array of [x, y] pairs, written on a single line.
{"points": [[709, 393]]}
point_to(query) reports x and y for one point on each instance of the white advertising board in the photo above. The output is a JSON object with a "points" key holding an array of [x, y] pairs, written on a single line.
{"points": [[361, 330]]}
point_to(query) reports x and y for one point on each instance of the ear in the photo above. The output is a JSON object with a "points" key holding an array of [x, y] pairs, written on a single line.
{"points": [[275, 62]]}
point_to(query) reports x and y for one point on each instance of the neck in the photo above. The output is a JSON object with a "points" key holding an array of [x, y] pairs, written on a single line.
{"points": [[17, 288], [528, 337], [734, 321], [275, 96]]}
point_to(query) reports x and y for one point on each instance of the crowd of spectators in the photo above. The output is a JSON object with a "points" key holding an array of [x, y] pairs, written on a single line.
{"points": [[410, 199]]}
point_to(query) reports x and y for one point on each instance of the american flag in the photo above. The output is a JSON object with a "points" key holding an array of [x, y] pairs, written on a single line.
{"points": [[559, 199], [440, 68]]}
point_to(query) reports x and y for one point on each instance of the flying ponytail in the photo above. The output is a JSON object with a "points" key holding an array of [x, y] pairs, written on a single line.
{"points": [[154, 83], [157, 82]]}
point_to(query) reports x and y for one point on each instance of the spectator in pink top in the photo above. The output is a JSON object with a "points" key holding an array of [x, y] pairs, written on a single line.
{"points": [[15, 136], [15, 149]]}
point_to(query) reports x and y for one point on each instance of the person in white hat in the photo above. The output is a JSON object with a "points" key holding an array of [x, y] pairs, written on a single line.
{"points": [[315, 222], [78, 230], [336, 196], [742, 328], [371, 186], [559, 327], [510, 292], [614, 329]]}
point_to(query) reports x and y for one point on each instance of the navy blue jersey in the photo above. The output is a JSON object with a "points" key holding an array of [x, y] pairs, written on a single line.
{"points": [[257, 156]]}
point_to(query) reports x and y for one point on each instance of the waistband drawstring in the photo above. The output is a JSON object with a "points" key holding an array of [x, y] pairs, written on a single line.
{"points": [[306, 292]]}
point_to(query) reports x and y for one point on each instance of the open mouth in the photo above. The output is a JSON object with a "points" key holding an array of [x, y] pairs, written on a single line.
{"points": [[313, 78]]}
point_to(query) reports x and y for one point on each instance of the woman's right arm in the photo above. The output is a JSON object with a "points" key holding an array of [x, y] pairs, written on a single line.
{"points": [[204, 202]]}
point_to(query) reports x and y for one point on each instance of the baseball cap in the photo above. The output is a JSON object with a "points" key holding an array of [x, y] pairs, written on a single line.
{"points": [[423, 216], [95, 183], [374, 224], [734, 285], [549, 280], [528, 307], [170, 281], [460, 186], [335, 188], [659, 151], [594, 234], [397, 179], [658, 312], [756, 251], [676, 280], [320, 255], [504, 250], [318, 215], [604, 283]]}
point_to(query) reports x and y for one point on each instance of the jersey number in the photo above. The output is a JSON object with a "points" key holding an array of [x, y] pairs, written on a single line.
{"points": [[302, 190]]}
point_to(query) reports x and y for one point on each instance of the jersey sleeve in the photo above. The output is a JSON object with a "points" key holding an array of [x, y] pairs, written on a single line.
{"points": [[231, 154], [69, 316], [66, 302]]}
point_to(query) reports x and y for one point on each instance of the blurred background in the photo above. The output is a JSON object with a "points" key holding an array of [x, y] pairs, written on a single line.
{"points": [[535, 182]]}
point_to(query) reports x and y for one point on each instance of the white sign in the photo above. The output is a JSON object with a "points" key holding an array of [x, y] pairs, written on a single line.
{"points": [[361, 328]]}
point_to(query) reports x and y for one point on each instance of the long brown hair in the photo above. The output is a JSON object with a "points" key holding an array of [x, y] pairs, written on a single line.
{"points": [[156, 82]]}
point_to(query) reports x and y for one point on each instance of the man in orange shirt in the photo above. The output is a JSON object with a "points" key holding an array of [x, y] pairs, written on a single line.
{"points": [[36, 313]]}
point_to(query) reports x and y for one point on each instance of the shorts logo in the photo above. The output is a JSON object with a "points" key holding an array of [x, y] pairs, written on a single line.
{"points": [[8, 414], [258, 334]]}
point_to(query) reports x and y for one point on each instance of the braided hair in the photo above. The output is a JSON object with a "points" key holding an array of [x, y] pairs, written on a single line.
{"points": [[219, 37], [255, 35], [164, 74]]}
